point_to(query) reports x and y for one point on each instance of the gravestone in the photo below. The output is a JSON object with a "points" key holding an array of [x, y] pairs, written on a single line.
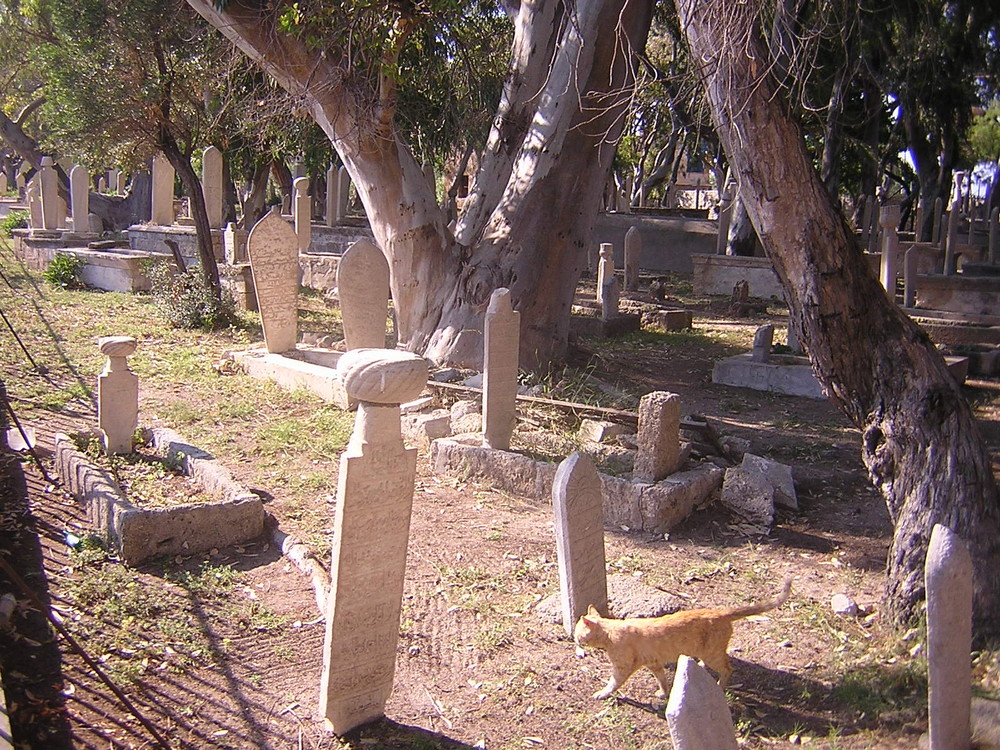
{"points": [[658, 442], [79, 196], [889, 221], [273, 250], [610, 297], [162, 202], [34, 200], [102, 184], [994, 242], [343, 193], [302, 210], [938, 221], [331, 196], [577, 502], [20, 181], [500, 363], [3, 182], [910, 261], [697, 713], [633, 257], [120, 181], [763, 339], [948, 580], [605, 268], [951, 241], [117, 395], [234, 244], [114, 181], [211, 185], [48, 183], [370, 533], [363, 287]]}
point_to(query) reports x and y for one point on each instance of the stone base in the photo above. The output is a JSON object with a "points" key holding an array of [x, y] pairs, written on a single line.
{"points": [[620, 325], [718, 274], [668, 320], [959, 293], [111, 269], [312, 368], [629, 505], [150, 238], [138, 534]]}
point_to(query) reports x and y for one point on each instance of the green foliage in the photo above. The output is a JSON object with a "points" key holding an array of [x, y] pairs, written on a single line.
{"points": [[64, 271], [187, 302], [984, 136], [13, 220]]}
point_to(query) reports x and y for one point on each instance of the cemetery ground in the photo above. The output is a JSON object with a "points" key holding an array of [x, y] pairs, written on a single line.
{"points": [[223, 650]]}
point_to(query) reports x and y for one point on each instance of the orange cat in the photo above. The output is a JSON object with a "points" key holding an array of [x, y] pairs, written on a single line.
{"points": [[653, 642]]}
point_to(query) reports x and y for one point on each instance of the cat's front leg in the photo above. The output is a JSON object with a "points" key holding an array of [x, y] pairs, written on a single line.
{"points": [[607, 690]]}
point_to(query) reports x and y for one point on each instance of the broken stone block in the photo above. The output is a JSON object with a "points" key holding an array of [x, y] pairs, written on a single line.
{"points": [[778, 474], [599, 431], [423, 429], [749, 495]]}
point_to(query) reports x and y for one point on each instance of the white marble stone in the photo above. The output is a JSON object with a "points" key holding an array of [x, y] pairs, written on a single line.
{"points": [[633, 257], [605, 268], [211, 185], [273, 250], [363, 288], [117, 395], [889, 222], [79, 196], [162, 200], [48, 182], [302, 213], [500, 367], [34, 201], [697, 712]]}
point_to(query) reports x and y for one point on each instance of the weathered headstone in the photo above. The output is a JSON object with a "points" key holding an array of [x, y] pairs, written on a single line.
{"points": [[605, 268], [889, 221], [302, 210], [211, 185], [951, 241], [500, 363], [95, 223], [34, 200], [938, 221], [331, 196], [120, 181], [363, 287], [633, 257], [697, 712], [725, 219], [117, 395], [48, 183], [273, 250], [948, 580], [910, 261], [79, 196], [102, 184], [763, 339], [610, 297], [343, 193], [20, 181], [298, 170], [370, 533], [658, 443], [3, 182], [234, 244], [162, 201], [578, 504]]}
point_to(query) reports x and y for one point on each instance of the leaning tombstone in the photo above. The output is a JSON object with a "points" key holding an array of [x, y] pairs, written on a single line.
{"points": [[633, 256], [763, 339], [658, 451], [302, 209], [500, 364], [117, 395], [697, 713], [605, 268], [370, 533], [79, 196], [578, 505], [948, 581], [363, 288], [273, 250]]}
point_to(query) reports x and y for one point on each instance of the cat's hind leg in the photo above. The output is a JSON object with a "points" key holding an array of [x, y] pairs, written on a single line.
{"points": [[661, 677]]}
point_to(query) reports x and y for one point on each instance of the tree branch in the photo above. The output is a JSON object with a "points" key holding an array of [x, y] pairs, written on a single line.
{"points": [[28, 110]]}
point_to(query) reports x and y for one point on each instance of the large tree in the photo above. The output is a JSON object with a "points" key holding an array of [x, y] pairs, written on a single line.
{"points": [[920, 442], [528, 220]]}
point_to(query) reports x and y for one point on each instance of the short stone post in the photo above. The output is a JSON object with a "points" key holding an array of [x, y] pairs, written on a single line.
{"points": [[273, 250], [910, 277], [234, 244], [363, 287], [79, 197], [951, 242], [658, 442], [763, 340], [578, 505], [605, 268], [633, 257], [343, 193], [994, 244], [3, 183], [610, 297], [500, 362], [370, 534], [162, 202], [948, 580], [117, 395], [34, 200], [120, 181], [48, 183], [211, 185], [697, 713], [302, 208], [938, 221], [331, 196], [889, 221]]}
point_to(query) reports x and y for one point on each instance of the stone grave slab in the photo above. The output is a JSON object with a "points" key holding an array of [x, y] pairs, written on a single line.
{"points": [[363, 287], [273, 250]]}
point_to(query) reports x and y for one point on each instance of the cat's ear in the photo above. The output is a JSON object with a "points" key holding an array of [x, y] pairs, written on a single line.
{"points": [[592, 611], [588, 621]]}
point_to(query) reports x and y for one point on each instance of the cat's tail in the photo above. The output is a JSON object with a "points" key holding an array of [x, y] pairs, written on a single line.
{"points": [[756, 609]]}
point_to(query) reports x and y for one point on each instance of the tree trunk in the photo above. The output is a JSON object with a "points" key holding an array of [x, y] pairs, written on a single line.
{"points": [[530, 214], [742, 239], [920, 443]]}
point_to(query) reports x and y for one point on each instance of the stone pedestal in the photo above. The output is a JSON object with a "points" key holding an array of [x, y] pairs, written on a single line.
{"points": [[273, 250], [371, 528], [363, 287], [117, 395], [500, 362]]}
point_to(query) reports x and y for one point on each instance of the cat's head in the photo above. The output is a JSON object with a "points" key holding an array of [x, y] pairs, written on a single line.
{"points": [[588, 627]]}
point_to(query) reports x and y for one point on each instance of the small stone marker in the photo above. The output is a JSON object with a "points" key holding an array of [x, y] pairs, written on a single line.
{"points": [[331, 196], [162, 202], [3, 183], [302, 208], [234, 244], [363, 286], [211, 185], [79, 198], [610, 297], [31, 195], [371, 529], [605, 268], [343, 193], [500, 362], [951, 241], [762, 341], [658, 450], [577, 501], [273, 250], [889, 221], [948, 580], [697, 712], [633, 257], [117, 395], [48, 183]]}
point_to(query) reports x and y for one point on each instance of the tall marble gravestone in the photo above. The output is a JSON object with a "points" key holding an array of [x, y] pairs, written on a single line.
{"points": [[79, 198], [162, 195], [889, 222], [948, 580], [117, 395], [578, 505], [363, 287], [274, 261], [605, 268], [211, 185], [371, 529], [302, 213], [48, 182], [500, 363], [633, 257]]}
